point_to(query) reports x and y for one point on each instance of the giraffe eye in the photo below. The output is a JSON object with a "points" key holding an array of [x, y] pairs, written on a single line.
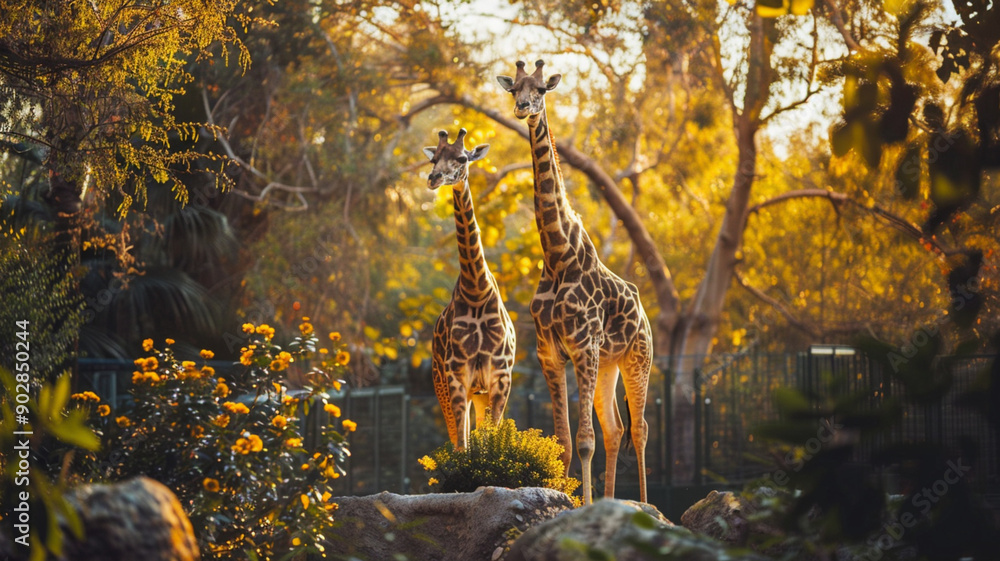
{"points": [[542, 91], [434, 162], [462, 159]]}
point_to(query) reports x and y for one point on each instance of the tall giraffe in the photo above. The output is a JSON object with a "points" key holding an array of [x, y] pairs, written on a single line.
{"points": [[473, 348], [583, 312]]}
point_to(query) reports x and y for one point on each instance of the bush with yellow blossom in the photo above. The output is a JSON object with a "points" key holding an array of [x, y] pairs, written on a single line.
{"points": [[232, 447], [499, 455]]}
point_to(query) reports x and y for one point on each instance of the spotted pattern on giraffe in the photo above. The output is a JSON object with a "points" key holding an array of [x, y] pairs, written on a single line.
{"points": [[474, 339], [584, 313]]}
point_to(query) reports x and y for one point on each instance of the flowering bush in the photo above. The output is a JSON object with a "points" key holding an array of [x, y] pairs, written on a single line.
{"points": [[232, 448], [502, 456]]}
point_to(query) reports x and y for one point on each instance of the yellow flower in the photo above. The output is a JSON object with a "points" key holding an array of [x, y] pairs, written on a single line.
{"points": [[221, 389], [198, 431], [251, 443], [349, 425], [324, 351], [123, 421], [278, 366], [289, 400], [211, 485], [305, 467], [279, 421], [330, 473], [306, 328], [246, 358], [137, 377], [343, 357], [305, 500], [296, 541], [248, 328], [170, 341], [221, 421], [335, 336], [428, 463], [188, 365], [332, 409], [103, 410], [208, 371], [206, 354], [236, 407], [433, 481], [266, 330], [336, 385], [294, 443], [86, 396], [150, 364], [147, 345]]}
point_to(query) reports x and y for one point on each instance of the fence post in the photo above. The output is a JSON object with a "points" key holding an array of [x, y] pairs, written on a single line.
{"points": [[697, 425], [404, 433]]}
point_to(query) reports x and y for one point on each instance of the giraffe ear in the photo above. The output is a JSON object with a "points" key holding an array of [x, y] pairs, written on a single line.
{"points": [[478, 152], [506, 82], [429, 151], [553, 81]]}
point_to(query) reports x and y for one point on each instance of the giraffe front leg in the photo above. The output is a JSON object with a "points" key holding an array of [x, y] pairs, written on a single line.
{"points": [[460, 411], [606, 405], [586, 367], [481, 403], [554, 369], [500, 388]]}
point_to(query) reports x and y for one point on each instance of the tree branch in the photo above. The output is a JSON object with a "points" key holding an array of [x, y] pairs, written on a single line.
{"points": [[837, 18], [792, 319]]}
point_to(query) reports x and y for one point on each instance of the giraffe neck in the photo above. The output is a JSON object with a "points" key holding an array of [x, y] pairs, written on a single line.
{"points": [[475, 277], [554, 217]]}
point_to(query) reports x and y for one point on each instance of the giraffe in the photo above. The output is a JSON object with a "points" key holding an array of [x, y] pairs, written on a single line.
{"points": [[474, 341], [583, 312]]}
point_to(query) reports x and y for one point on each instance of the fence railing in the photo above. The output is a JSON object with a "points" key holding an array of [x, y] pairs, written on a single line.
{"points": [[733, 397]]}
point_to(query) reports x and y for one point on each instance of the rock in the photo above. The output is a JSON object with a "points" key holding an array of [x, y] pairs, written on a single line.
{"points": [[441, 527], [610, 528], [139, 519], [737, 520]]}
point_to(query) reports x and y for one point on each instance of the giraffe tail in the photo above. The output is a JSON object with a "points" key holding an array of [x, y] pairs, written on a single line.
{"points": [[628, 427]]}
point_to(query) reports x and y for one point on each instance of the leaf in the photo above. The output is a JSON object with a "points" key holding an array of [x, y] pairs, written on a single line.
{"points": [[908, 173], [73, 431], [790, 401]]}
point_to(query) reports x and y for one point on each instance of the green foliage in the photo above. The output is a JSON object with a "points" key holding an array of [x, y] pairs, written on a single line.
{"points": [[35, 288], [238, 464], [46, 505], [839, 501], [502, 456]]}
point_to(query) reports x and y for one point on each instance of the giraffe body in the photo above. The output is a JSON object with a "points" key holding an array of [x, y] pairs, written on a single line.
{"points": [[584, 314], [474, 340]]}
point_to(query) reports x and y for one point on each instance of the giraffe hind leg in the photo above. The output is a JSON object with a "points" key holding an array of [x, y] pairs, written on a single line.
{"points": [[636, 380]]}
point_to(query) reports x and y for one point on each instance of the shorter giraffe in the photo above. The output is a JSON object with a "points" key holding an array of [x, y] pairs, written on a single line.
{"points": [[473, 348]]}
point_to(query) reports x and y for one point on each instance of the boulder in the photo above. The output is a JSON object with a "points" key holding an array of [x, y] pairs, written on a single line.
{"points": [[726, 516], [441, 526], [615, 529], [139, 519]]}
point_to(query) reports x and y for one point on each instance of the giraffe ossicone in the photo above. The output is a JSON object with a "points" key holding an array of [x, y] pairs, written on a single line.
{"points": [[583, 312], [474, 340]]}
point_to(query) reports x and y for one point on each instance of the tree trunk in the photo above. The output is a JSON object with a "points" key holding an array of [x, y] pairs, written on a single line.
{"points": [[700, 322], [65, 199]]}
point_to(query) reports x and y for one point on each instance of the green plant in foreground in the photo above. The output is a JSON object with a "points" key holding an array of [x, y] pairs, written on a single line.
{"points": [[233, 447], [500, 455]]}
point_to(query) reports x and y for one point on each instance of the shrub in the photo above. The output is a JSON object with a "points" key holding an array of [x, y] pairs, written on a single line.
{"points": [[237, 464], [502, 456]]}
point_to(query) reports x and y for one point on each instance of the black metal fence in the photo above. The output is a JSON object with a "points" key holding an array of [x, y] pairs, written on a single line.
{"points": [[734, 396]]}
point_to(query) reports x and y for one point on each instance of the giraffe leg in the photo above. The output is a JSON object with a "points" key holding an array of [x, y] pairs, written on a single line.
{"points": [[499, 390], [442, 388], [554, 369], [460, 411], [585, 365], [606, 405], [635, 375]]}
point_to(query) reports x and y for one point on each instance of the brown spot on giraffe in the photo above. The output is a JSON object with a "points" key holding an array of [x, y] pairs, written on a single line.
{"points": [[583, 312], [474, 342]]}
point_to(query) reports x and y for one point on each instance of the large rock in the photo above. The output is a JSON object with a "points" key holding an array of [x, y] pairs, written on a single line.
{"points": [[477, 526], [137, 520], [728, 517], [614, 529]]}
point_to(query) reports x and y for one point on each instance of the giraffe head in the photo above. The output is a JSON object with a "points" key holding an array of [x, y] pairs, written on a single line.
{"points": [[529, 89], [451, 161]]}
